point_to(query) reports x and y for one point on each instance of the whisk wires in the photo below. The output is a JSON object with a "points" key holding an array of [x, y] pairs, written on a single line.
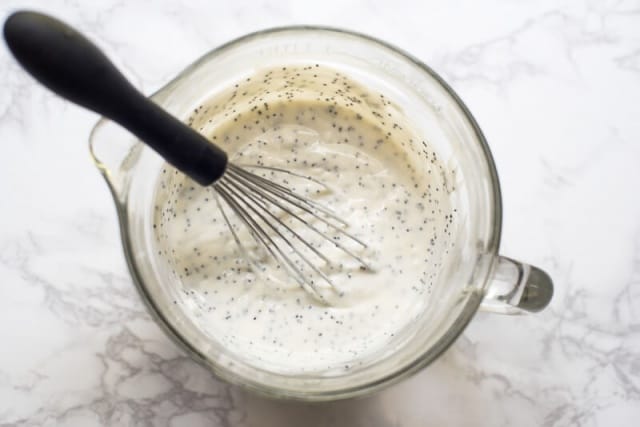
{"points": [[263, 205]]}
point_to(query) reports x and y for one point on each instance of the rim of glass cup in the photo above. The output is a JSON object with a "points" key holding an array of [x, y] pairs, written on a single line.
{"points": [[421, 360]]}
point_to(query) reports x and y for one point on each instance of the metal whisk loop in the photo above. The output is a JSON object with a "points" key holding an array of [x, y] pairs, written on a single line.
{"points": [[264, 207], [243, 199], [256, 201], [264, 188], [262, 238], [278, 189]]}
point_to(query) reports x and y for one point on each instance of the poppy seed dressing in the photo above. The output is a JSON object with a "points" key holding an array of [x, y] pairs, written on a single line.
{"points": [[372, 170]]}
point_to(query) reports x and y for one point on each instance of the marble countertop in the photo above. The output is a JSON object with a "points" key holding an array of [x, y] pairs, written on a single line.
{"points": [[555, 85]]}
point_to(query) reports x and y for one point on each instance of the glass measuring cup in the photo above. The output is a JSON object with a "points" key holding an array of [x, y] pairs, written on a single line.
{"points": [[473, 275]]}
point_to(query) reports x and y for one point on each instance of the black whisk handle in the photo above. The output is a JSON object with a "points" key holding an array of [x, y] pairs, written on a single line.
{"points": [[66, 62]]}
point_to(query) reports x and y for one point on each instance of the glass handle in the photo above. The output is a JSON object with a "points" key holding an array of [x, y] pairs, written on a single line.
{"points": [[515, 288]]}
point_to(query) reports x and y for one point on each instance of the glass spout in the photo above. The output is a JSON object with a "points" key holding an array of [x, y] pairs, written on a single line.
{"points": [[115, 153]]}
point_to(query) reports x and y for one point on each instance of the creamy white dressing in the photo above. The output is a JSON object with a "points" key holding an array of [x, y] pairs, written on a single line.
{"points": [[316, 122]]}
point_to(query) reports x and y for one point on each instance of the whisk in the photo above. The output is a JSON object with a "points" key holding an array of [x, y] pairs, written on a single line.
{"points": [[70, 65]]}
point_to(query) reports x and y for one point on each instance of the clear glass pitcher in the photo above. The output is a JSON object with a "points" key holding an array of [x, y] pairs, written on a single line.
{"points": [[473, 275]]}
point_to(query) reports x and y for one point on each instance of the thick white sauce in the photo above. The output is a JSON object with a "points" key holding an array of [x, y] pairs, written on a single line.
{"points": [[317, 122]]}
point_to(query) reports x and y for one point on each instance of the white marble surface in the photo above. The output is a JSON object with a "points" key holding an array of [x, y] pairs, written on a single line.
{"points": [[555, 86]]}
